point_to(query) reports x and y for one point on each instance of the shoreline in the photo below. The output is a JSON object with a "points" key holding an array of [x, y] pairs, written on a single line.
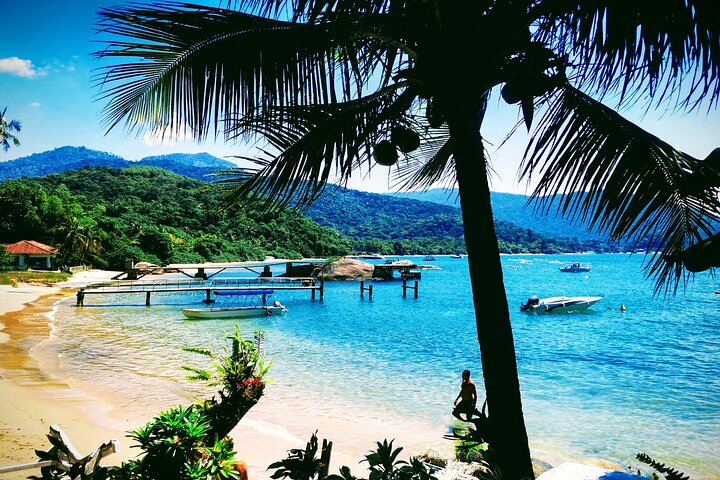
{"points": [[34, 400]]}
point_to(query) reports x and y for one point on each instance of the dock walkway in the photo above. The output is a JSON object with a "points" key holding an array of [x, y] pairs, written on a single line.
{"points": [[181, 285]]}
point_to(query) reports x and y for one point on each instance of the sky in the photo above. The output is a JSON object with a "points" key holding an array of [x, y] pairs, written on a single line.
{"points": [[46, 71]]}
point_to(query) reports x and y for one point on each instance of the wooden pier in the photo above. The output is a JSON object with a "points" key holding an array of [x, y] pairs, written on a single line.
{"points": [[149, 287]]}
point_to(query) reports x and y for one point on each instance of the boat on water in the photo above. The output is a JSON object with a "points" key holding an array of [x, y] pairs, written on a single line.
{"points": [[254, 304], [371, 257], [456, 255], [575, 267], [429, 258], [558, 304]]}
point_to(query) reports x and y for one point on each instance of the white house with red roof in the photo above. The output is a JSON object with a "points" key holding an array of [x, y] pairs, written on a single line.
{"points": [[33, 254]]}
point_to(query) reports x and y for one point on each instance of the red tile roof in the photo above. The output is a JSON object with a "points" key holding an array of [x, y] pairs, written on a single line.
{"points": [[30, 247]]}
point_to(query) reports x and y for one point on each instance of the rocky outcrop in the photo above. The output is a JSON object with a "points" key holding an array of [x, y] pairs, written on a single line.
{"points": [[346, 269]]}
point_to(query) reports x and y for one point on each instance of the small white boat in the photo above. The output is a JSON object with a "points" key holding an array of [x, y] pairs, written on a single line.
{"points": [[575, 267], [234, 312], [254, 306], [558, 304]]}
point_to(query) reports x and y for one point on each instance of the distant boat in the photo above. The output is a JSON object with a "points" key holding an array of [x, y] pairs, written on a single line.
{"points": [[456, 255], [253, 306], [575, 267], [371, 257], [429, 258], [558, 304]]}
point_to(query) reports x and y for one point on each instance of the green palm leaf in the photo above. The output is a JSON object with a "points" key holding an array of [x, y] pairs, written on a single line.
{"points": [[313, 142], [600, 169], [657, 49]]}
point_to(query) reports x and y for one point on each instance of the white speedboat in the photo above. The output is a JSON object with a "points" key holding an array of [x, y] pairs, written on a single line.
{"points": [[254, 305], [558, 304]]}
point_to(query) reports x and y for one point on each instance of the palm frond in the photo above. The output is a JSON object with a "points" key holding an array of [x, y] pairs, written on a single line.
{"points": [[310, 9], [656, 50], [309, 144], [431, 165], [184, 78], [604, 171]]}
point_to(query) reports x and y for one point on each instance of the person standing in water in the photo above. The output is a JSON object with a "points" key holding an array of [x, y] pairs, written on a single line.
{"points": [[467, 399]]}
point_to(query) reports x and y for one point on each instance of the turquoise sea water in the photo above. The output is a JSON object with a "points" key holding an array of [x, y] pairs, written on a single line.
{"points": [[601, 383]]}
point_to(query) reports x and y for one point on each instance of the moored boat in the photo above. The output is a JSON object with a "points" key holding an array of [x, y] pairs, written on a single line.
{"points": [[234, 312], [254, 306], [575, 267], [558, 304]]}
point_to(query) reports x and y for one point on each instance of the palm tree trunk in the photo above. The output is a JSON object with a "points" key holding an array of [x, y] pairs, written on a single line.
{"points": [[492, 317]]}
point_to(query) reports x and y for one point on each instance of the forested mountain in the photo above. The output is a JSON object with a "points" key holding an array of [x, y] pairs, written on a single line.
{"points": [[107, 216], [509, 207], [137, 210], [388, 224], [199, 165]]}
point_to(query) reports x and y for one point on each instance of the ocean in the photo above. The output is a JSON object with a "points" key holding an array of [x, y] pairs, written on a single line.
{"points": [[606, 382]]}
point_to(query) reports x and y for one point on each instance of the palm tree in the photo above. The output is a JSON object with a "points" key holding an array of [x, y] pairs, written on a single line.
{"points": [[333, 86], [6, 129]]}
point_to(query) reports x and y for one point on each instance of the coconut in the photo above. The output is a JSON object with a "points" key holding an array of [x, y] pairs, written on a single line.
{"points": [[405, 139], [385, 153], [511, 93]]}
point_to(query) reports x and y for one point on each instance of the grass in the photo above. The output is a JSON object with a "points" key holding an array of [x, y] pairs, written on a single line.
{"points": [[13, 278]]}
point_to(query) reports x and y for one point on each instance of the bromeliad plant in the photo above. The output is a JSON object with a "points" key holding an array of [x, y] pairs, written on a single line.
{"points": [[177, 445], [240, 371], [192, 442]]}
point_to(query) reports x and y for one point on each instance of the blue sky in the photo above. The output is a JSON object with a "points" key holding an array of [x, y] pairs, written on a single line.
{"points": [[46, 83]]}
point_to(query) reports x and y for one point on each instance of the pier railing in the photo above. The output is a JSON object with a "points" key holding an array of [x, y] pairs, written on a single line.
{"points": [[189, 285]]}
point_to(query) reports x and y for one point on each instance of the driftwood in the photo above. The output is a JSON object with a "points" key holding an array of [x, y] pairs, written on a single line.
{"points": [[64, 457]]}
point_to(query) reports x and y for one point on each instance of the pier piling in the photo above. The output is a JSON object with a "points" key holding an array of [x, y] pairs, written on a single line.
{"points": [[405, 287], [369, 288]]}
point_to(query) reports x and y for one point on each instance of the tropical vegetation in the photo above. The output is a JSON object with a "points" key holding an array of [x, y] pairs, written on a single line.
{"points": [[332, 87], [7, 127], [104, 217]]}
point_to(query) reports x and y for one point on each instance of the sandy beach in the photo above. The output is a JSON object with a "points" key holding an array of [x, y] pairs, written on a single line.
{"points": [[34, 400]]}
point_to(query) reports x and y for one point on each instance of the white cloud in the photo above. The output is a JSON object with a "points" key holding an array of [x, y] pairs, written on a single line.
{"points": [[18, 67], [35, 104], [164, 138]]}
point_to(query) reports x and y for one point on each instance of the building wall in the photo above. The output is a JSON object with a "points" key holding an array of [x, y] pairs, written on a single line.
{"points": [[35, 260]]}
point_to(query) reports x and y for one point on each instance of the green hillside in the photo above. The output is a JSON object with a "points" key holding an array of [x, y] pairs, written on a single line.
{"points": [[107, 216], [200, 166], [380, 223]]}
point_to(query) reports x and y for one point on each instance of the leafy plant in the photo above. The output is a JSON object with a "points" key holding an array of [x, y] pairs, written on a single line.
{"points": [[383, 461], [384, 465], [299, 464], [191, 442], [670, 473], [177, 446], [240, 371]]}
